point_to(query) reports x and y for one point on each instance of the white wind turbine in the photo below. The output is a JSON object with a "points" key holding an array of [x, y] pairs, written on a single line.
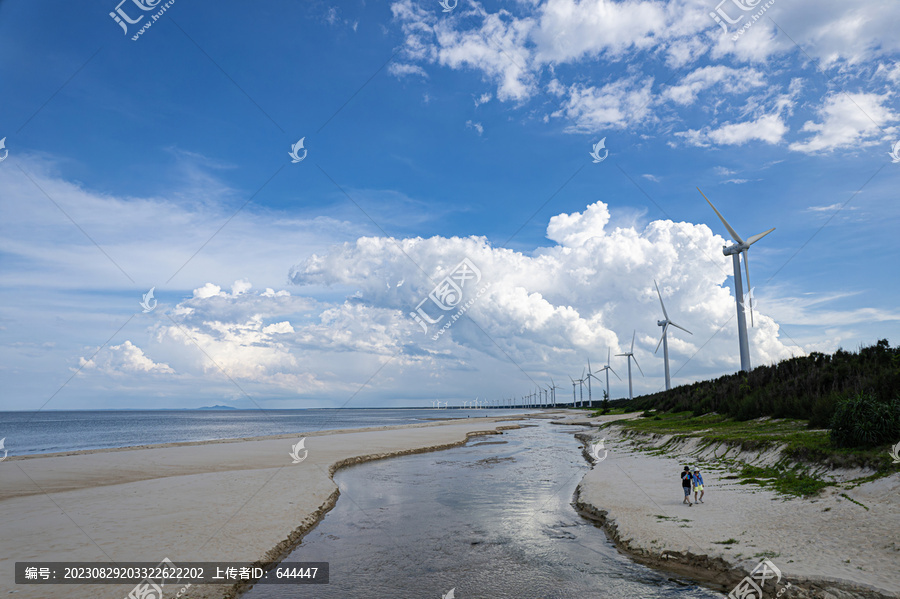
{"points": [[631, 357], [607, 368], [664, 339], [740, 247], [553, 389]]}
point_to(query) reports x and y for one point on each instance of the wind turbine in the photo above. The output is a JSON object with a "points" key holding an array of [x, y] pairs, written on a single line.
{"points": [[553, 388], [607, 368], [631, 357], [574, 401], [740, 247], [664, 339]]}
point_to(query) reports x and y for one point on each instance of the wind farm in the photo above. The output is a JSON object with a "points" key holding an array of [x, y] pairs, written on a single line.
{"points": [[303, 300]]}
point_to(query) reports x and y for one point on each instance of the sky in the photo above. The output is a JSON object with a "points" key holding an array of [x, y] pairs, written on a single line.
{"points": [[482, 200]]}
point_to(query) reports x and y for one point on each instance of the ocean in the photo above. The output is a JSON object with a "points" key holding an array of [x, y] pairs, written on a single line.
{"points": [[57, 430]]}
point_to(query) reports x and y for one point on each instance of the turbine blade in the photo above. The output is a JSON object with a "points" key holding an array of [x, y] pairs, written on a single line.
{"points": [[632, 340], [608, 352], [589, 366], [681, 327], [733, 233], [756, 238], [660, 300], [638, 365], [614, 372], [661, 337], [749, 295]]}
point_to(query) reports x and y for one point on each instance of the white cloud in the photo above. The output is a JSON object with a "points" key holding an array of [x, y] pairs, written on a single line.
{"points": [[477, 126], [497, 49], [620, 104], [650, 177], [846, 120], [569, 30], [585, 293], [769, 128], [482, 99], [399, 69], [730, 81], [125, 358]]}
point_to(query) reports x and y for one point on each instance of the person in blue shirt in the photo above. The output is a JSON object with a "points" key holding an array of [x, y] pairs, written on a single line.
{"points": [[698, 486]]}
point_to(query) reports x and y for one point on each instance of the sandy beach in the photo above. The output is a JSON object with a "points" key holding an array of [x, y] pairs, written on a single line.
{"points": [[244, 500], [827, 546], [235, 500]]}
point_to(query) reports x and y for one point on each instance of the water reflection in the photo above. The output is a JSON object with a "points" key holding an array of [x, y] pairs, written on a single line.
{"points": [[491, 520]]}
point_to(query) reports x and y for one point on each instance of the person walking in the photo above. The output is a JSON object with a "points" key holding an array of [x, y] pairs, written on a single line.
{"points": [[686, 481], [698, 485]]}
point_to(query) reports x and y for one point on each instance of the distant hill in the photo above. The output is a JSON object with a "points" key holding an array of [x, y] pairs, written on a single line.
{"points": [[216, 408], [808, 387]]}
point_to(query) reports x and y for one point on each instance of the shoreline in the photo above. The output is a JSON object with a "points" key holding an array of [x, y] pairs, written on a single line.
{"points": [[804, 538], [146, 503]]}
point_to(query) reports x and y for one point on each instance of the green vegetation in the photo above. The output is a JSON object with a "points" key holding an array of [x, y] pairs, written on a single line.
{"points": [[800, 445], [863, 421], [801, 442], [788, 481], [848, 498], [809, 387], [727, 542]]}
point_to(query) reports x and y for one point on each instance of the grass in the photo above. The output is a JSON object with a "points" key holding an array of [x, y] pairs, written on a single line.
{"points": [[726, 542], [848, 498], [796, 481], [801, 443], [599, 412]]}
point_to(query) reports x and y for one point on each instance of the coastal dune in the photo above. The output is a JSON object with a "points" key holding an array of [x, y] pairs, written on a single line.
{"points": [[830, 546], [238, 500]]}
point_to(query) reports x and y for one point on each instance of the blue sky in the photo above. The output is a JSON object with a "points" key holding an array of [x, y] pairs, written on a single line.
{"points": [[432, 137]]}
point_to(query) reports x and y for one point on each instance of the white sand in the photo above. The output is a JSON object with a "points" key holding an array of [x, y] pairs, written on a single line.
{"points": [[212, 502], [826, 539]]}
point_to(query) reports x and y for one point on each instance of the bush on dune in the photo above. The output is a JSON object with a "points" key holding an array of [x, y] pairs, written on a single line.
{"points": [[863, 421]]}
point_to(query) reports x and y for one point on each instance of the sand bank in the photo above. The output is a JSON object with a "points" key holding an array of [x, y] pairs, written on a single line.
{"points": [[236, 500], [827, 547]]}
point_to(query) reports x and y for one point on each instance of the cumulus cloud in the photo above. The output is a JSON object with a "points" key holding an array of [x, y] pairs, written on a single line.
{"points": [[125, 358], [584, 294]]}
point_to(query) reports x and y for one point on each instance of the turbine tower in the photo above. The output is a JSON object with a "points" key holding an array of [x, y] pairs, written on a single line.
{"points": [[740, 247], [664, 339], [589, 375], [631, 357], [553, 389]]}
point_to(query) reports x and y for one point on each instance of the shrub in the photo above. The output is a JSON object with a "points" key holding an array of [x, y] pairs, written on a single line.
{"points": [[863, 421]]}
